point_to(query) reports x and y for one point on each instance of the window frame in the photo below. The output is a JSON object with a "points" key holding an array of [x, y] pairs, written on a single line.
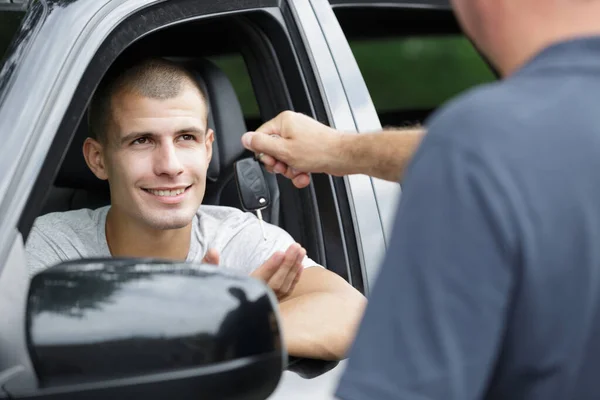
{"points": [[310, 102]]}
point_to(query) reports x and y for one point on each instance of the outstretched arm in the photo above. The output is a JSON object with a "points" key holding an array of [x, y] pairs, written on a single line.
{"points": [[294, 145], [321, 315]]}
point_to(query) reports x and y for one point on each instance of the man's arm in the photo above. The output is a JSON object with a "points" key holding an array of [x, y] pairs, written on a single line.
{"points": [[294, 145], [321, 315], [381, 155]]}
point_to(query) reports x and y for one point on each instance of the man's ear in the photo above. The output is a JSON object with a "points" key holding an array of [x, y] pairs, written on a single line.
{"points": [[93, 152], [208, 142]]}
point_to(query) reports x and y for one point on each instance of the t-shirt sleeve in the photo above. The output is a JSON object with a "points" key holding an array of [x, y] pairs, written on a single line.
{"points": [[41, 251], [248, 250], [435, 319]]}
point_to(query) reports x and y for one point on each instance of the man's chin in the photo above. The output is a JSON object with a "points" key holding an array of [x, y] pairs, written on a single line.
{"points": [[168, 222]]}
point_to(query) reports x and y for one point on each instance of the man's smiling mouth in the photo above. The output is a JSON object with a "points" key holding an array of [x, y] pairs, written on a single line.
{"points": [[167, 192]]}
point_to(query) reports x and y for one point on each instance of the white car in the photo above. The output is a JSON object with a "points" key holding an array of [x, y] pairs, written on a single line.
{"points": [[350, 64]]}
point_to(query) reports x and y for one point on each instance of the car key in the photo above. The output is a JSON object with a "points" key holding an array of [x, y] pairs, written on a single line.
{"points": [[252, 188]]}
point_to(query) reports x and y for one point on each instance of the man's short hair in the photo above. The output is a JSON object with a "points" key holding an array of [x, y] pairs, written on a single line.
{"points": [[155, 78]]}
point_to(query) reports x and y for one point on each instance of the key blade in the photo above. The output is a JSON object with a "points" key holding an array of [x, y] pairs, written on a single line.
{"points": [[260, 221]]}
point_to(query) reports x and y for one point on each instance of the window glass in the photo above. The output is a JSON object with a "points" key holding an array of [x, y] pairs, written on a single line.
{"points": [[9, 25], [417, 74], [234, 67]]}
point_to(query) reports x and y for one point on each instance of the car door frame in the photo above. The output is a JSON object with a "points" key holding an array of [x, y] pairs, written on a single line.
{"points": [[372, 201]]}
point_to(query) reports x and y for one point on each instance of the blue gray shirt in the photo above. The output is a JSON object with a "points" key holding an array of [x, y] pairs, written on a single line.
{"points": [[491, 285]]}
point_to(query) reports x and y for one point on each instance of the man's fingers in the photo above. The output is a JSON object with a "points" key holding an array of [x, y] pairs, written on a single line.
{"points": [[211, 257], [286, 267], [292, 277], [268, 161], [280, 168], [269, 268], [301, 181], [272, 146], [271, 127]]}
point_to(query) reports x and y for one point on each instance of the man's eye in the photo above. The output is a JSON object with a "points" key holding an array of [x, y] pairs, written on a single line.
{"points": [[187, 137], [142, 140]]}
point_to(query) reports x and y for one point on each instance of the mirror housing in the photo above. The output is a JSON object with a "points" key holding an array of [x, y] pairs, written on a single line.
{"points": [[123, 328]]}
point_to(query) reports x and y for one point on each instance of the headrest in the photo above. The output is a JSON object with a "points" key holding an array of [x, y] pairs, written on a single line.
{"points": [[225, 118]]}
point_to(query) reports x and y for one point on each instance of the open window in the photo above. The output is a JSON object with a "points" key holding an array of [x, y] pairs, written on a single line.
{"points": [[412, 59], [252, 67], [10, 21]]}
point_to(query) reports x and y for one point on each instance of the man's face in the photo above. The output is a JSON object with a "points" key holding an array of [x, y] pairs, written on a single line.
{"points": [[157, 156], [478, 20], [465, 13]]}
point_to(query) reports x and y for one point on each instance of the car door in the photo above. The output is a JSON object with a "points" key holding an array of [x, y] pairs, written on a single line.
{"points": [[56, 62]]}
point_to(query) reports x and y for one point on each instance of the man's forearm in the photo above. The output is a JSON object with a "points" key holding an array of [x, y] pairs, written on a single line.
{"points": [[321, 325], [382, 155]]}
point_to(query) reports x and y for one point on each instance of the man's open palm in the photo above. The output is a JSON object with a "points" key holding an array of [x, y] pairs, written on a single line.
{"points": [[282, 270]]}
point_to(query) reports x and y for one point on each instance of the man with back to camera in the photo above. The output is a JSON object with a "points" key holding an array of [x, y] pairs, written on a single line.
{"points": [[491, 285], [151, 141]]}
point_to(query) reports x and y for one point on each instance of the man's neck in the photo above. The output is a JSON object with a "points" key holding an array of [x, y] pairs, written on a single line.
{"points": [[127, 238], [571, 21]]}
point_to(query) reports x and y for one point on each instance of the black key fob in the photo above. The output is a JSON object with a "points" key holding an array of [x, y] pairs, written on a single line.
{"points": [[251, 184]]}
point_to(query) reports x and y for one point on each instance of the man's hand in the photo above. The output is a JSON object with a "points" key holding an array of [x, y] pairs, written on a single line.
{"points": [[282, 270], [211, 257], [293, 144]]}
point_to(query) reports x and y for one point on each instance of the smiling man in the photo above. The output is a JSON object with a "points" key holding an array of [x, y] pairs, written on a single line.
{"points": [[150, 140]]}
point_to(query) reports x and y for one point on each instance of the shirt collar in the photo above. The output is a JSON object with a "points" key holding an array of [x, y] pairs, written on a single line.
{"points": [[579, 52]]}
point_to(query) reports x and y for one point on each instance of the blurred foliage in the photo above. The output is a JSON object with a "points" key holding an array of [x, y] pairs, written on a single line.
{"points": [[418, 72], [9, 25], [235, 68], [400, 73]]}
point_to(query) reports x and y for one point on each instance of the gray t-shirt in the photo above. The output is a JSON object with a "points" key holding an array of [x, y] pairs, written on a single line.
{"points": [[490, 288], [236, 235]]}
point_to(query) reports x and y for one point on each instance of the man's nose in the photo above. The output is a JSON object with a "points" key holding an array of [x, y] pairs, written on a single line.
{"points": [[167, 161]]}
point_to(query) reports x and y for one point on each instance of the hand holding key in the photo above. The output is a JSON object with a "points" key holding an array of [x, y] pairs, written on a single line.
{"points": [[294, 144], [282, 270]]}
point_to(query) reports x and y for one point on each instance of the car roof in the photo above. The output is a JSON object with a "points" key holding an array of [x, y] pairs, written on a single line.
{"points": [[443, 4]]}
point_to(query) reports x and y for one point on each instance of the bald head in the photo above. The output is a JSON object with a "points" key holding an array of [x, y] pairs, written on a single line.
{"points": [[153, 78]]}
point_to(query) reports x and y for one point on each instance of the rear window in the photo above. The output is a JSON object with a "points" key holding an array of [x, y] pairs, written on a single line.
{"points": [[10, 21], [409, 77], [418, 72]]}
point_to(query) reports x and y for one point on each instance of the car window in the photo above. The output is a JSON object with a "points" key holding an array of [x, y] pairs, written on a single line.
{"points": [[408, 77], [234, 67], [240, 51], [9, 25]]}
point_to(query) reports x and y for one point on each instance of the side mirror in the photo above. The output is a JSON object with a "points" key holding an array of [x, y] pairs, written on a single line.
{"points": [[114, 328]]}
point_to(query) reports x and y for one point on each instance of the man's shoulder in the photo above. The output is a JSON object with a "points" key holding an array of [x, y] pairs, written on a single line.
{"points": [[74, 220], [61, 236], [483, 110], [492, 120], [221, 215]]}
